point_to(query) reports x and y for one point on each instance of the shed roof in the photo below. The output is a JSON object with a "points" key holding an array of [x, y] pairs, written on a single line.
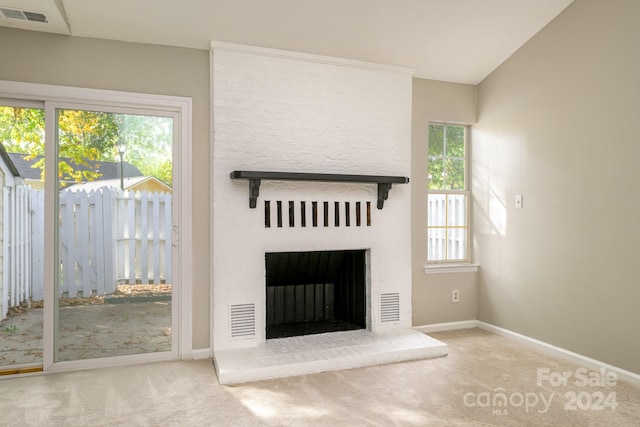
{"points": [[8, 161], [108, 170]]}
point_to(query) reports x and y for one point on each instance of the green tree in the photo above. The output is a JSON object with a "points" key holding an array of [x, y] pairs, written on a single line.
{"points": [[148, 144], [85, 136], [446, 157], [22, 130]]}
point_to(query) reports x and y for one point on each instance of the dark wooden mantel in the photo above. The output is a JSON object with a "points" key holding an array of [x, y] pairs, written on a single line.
{"points": [[256, 177]]}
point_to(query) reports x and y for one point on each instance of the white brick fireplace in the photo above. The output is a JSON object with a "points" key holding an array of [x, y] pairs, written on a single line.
{"points": [[280, 111]]}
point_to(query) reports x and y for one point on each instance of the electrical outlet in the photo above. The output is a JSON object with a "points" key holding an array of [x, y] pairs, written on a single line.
{"points": [[455, 295]]}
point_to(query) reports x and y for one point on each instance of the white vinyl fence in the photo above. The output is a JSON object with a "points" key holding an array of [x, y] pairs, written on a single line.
{"points": [[450, 210], [107, 237], [87, 249], [143, 237], [22, 243]]}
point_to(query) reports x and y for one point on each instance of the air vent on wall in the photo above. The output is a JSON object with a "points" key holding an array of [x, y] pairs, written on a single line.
{"points": [[242, 320], [24, 15], [390, 307]]}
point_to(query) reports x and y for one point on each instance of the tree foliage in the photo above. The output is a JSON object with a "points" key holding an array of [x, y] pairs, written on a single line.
{"points": [[446, 157], [148, 144], [22, 130], [85, 136]]}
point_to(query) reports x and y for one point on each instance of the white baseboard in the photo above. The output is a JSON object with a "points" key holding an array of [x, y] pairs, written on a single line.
{"points": [[542, 346], [562, 353], [449, 326], [201, 353]]}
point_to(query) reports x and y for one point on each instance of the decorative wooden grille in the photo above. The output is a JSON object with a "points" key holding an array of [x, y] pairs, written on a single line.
{"points": [[279, 214]]}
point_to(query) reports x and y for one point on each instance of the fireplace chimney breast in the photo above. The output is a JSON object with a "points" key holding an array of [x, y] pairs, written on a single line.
{"points": [[284, 111]]}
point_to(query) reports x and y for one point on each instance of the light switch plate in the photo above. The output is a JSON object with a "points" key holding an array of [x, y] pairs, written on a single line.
{"points": [[518, 201]]}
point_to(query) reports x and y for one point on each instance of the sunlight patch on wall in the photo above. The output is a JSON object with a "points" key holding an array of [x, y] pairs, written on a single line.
{"points": [[497, 160]]}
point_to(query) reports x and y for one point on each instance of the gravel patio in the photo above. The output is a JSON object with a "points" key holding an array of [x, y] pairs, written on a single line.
{"points": [[129, 323]]}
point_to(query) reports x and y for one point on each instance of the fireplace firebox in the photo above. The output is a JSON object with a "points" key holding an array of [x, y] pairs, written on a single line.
{"points": [[315, 292]]}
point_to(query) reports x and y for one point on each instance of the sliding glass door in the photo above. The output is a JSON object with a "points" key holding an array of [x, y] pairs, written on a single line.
{"points": [[114, 198], [21, 230], [89, 243]]}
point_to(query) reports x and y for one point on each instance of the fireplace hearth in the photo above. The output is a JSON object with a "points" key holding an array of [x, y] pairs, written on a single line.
{"points": [[315, 292]]}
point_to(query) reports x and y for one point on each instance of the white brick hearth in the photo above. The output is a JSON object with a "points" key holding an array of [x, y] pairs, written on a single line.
{"points": [[312, 354], [281, 111]]}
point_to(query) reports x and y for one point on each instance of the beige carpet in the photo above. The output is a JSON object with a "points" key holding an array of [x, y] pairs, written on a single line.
{"points": [[456, 390]]}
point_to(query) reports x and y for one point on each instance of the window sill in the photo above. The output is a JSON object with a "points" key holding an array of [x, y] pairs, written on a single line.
{"points": [[450, 268]]}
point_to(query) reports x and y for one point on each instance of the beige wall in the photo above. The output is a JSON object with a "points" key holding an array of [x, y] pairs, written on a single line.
{"points": [[92, 63], [557, 124], [73, 61], [431, 294]]}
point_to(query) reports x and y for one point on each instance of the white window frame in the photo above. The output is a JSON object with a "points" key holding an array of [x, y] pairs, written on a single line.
{"points": [[463, 262], [54, 96]]}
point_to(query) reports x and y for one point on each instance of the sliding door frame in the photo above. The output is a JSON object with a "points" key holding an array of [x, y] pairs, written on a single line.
{"points": [[179, 107]]}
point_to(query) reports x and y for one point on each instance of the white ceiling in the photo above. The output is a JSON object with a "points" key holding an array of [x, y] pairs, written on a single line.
{"points": [[451, 40]]}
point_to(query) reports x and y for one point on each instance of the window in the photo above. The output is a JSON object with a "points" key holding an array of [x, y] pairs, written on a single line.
{"points": [[448, 195]]}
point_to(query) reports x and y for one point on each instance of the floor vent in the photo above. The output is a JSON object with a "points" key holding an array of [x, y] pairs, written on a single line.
{"points": [[390, 307], [242, 320]]}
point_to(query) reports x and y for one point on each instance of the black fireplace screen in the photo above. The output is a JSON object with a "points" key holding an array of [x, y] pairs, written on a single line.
{"points": [[315, 292]]}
